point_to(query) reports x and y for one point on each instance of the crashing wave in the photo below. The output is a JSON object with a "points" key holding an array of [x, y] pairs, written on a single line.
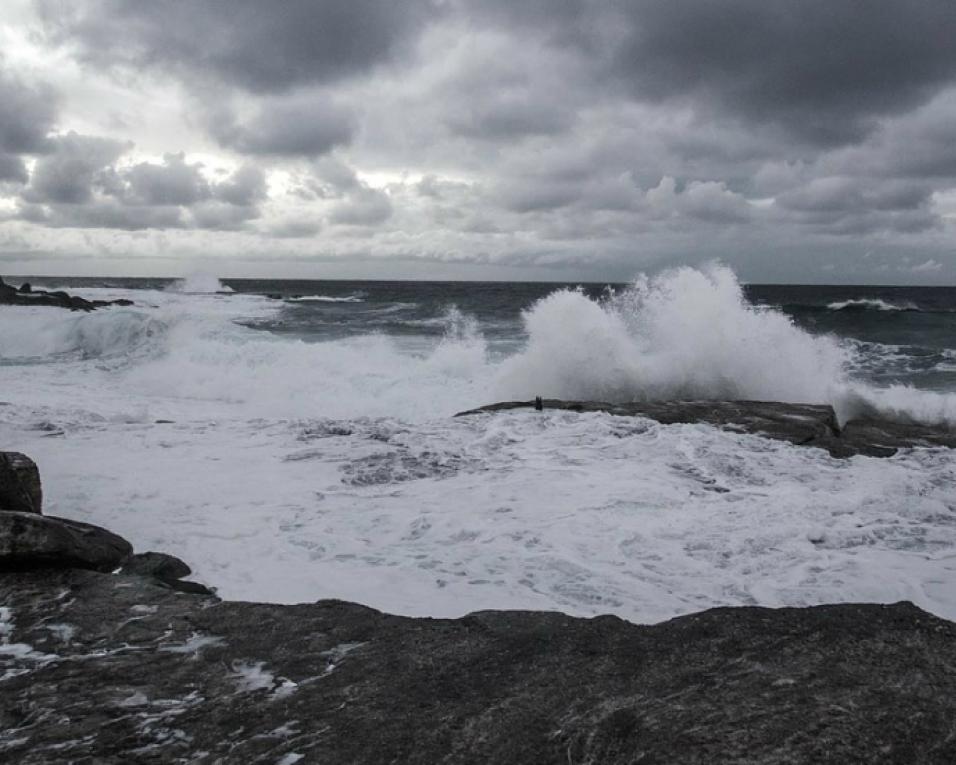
{"points": [[198, 284]]}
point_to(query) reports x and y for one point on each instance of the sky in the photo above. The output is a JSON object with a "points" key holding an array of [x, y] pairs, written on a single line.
{"points": [[808, 142]]}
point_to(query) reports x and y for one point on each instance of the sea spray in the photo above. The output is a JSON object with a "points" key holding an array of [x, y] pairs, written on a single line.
{"points": [[198, 284], [685, 333]]}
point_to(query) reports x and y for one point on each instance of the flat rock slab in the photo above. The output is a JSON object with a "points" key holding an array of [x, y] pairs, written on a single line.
{"points": [[20, 488], [800, 424], [28, 540], [114, 669]]}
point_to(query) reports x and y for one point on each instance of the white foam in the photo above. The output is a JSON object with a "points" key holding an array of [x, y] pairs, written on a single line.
{"points": [[874, 304], [198, 284], [325, 299]]}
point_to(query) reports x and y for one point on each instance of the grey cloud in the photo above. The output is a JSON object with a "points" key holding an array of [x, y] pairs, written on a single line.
{"points": [[79, 184], [259, 47], [217, 215], [846, 194], [508, 116], [707, 201], [309, 124], [819, 70], [293, 229], [245, 187], [67, 175], [27, 115], [175, 182], [12, 169], [363, 206]]}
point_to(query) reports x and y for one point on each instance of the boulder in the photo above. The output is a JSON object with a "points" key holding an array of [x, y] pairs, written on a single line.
{"points": [[99, 668], [32, 541], [20, 488], [159, 565]]}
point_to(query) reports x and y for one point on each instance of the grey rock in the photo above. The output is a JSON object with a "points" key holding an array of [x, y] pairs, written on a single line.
{"points": [[800, 424], [20, 488], [167, 570], [31, 541], [160, 565], [115, 669]]}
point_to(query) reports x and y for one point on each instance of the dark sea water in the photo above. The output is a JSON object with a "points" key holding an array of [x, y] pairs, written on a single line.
{"points": [[899, 335]]}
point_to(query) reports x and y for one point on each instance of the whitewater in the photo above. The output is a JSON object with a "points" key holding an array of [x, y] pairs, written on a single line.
{"points": [[288, 462]]}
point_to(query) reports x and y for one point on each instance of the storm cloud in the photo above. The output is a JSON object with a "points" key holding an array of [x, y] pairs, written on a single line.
{"points": [[592, 137]]}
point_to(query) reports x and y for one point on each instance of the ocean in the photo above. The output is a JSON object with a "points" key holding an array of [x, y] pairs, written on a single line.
{"points": [[294, 440]]}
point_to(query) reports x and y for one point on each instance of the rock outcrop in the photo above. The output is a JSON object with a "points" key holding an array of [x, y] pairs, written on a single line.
{"points": [[20, 487], [111, 669], [801, 424], [26, 295]]}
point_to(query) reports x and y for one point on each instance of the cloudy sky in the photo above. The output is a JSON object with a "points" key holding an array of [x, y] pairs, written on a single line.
{"points": [[810, 141]]}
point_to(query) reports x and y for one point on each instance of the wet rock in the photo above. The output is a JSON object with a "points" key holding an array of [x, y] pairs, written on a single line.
{"points": [[20, 488], [800, 424], [160, 565], [27, 295], [110, 669], [31, 541]]}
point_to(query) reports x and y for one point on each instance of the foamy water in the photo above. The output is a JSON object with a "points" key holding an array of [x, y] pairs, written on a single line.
{"points": [[295, 470]]}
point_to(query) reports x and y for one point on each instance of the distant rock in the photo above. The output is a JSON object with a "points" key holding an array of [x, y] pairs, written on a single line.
{"points": [[111, 669], [32, 541], [800, 424], [26, 295], [20, 488]]}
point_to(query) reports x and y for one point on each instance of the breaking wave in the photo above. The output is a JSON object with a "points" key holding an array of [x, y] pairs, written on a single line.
{"points": [[51, 335], [198, 284], [684, 334]]}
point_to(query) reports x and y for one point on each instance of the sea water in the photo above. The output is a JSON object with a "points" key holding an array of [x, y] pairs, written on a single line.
{"points": [[294, 440]]}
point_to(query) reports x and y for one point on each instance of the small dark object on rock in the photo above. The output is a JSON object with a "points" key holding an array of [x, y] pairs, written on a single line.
{"points": [[25, 287], [20, 488], [538, 403]]}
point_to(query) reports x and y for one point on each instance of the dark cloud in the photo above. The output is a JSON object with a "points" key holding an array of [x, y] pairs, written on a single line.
{"points": [[12, 169], [817, 69], [260, 47], [308, 124], [27, 114]]}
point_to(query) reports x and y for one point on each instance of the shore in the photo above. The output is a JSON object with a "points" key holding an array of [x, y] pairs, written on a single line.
{"points": [[111, 655]]}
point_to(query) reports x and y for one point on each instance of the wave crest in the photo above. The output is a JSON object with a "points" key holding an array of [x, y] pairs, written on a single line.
{"points": [[686, 333]]}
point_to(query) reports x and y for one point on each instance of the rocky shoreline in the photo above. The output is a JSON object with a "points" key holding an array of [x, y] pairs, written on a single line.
{"points": [[799, 424], [25, 294], [108, 656]]}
